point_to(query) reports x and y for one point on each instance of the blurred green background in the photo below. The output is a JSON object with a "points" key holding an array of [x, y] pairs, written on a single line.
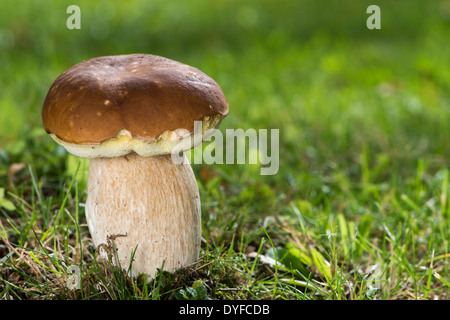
{"points": [[310, 68]]}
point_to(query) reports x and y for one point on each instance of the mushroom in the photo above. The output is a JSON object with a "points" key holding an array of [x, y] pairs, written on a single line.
{"points": [[129, 114]]}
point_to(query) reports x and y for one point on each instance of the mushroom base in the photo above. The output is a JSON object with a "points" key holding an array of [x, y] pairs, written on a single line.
{"points": [[147, 204]]}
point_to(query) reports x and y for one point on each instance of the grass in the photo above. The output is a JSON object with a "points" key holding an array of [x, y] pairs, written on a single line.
{"points": [[359, 209]]}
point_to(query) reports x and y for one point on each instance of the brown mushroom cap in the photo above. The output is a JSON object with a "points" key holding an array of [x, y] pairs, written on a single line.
{"points": [[141, 94]]}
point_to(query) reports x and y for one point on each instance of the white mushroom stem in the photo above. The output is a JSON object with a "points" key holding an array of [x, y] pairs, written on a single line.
{"points": [[149, 204]]}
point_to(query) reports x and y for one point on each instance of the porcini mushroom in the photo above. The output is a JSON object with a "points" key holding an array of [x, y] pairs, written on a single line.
{"points": [[128, 114]]}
